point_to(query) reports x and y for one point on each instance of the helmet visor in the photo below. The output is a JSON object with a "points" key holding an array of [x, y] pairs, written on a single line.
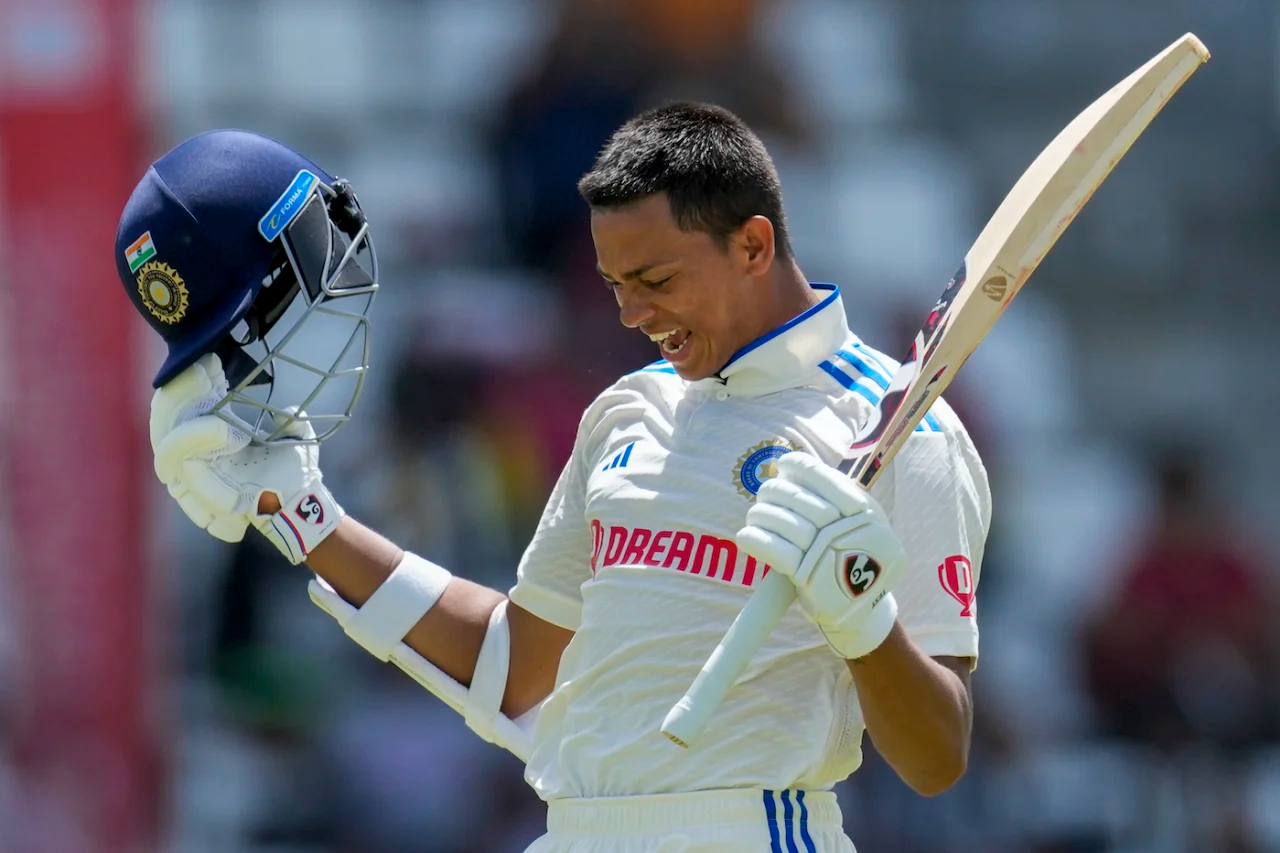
{"points": [[297, 362]]}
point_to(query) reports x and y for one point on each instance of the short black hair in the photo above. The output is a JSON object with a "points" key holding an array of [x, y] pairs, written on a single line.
{"points": [[714, 170]]}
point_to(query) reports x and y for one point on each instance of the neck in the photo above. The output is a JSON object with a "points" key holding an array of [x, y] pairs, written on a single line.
{"points": [[774, 300], [788, 295]]}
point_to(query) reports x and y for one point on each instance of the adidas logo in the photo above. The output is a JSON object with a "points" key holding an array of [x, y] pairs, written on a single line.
{"points": [[620, 459]]}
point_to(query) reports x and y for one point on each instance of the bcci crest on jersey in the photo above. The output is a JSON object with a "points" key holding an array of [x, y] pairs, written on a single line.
{"points": [[759, 464]]}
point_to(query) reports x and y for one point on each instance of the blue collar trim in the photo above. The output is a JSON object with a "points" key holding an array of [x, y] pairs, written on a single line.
{"points": [[790, 324]]}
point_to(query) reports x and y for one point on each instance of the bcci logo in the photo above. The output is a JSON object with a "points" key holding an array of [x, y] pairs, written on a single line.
{"points": [[310, 510], [163, 292], [860, 573], [758, 464]]}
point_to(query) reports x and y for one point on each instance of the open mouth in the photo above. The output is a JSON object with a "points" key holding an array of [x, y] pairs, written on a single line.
{"points": [[672, 342]]}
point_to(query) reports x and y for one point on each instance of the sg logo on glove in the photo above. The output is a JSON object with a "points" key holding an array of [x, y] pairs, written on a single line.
{"points": [[310, 510], [860, 573]]}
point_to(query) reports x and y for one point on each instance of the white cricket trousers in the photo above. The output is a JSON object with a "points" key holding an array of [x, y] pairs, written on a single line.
{"points": [[733, 821]]}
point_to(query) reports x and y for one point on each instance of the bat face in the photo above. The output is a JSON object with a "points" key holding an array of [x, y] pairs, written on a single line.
{"points": [[1044, 201]]}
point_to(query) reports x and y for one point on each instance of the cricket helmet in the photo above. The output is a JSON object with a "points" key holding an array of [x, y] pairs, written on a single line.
{"points": [[235, 244]]}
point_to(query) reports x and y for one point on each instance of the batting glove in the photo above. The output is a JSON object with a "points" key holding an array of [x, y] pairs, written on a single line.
{"points": [[833, 540], [217, 476]]}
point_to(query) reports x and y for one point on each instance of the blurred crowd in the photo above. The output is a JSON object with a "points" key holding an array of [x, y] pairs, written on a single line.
{"points": [[1127, 698]]}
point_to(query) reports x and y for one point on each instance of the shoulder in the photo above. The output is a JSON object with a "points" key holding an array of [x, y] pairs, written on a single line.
{"points": [[941, 436], [933, 465], [865, 374], [654, 387]]}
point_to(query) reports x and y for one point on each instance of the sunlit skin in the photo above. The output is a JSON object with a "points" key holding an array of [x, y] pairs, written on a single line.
{"points": [[723, 296]]}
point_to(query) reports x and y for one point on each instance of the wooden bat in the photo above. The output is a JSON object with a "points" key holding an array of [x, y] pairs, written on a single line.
{"points": [[1028, 222]]}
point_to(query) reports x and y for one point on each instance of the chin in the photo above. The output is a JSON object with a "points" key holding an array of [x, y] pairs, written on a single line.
{"points": [[693, 373], [700, 362], [696, 370]]}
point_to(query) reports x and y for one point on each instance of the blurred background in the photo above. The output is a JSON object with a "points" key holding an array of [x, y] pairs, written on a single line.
{"points": [[161, 691]]}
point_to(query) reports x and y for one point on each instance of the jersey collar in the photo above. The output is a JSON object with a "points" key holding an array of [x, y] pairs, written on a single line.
{"points": [[787, 356]]}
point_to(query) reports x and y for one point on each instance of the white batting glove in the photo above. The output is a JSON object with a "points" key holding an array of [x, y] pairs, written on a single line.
{"points": [[833, 540], [218, 477], [192, 394]]}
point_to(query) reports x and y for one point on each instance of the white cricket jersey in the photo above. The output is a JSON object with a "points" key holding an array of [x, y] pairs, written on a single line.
{"points": [[635, 553]]}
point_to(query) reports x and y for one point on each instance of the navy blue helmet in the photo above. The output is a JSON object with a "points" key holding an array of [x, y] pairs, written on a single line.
{"points": [[235, 244]]}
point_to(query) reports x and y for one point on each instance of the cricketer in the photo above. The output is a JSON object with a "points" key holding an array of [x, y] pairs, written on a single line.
{"points": [[689, 480]]}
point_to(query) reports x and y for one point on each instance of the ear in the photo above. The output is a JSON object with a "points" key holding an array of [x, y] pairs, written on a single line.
{"points": [[754, 241]]}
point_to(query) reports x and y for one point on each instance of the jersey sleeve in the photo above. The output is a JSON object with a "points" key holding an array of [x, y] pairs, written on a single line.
{"points": [[557, 560], [941, 510]]}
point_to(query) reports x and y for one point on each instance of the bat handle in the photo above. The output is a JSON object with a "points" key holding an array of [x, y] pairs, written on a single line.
{"points": [[688, 718]]}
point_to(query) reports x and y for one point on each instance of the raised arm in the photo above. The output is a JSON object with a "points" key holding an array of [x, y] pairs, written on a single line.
{"points": [[355, 561], [486, 657]]}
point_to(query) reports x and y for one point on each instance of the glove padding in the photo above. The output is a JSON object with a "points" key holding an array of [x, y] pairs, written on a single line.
{"points": [[217, 476], [833, 540]]}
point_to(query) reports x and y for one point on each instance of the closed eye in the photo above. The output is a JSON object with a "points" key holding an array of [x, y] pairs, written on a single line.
{"points": [[657, 284]]}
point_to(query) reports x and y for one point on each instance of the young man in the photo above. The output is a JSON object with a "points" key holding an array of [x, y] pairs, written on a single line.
{"points": [[689, 480]]}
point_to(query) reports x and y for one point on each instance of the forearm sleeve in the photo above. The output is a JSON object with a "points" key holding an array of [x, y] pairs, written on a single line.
{"points": [[380, 625]]}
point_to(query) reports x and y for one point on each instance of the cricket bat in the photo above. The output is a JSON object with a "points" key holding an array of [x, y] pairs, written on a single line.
{"points": [[1024, 227]]}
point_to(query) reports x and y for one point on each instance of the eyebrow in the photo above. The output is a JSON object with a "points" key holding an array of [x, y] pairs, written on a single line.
{"points": [[635, 273]]}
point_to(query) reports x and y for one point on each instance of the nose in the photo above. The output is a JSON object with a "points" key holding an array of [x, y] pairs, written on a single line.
{"points": [[633, 308]]}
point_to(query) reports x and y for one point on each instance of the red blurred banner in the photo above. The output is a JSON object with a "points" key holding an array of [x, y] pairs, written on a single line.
{"points": [[84, 723]]}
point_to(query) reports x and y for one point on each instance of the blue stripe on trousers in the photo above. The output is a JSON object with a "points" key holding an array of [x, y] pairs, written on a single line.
{"points": [[804, 824], [788, 828], [788, 817], [771, 813]]}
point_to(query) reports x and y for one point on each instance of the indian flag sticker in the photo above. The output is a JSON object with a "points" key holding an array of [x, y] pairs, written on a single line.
{"points": [[140, 252]]}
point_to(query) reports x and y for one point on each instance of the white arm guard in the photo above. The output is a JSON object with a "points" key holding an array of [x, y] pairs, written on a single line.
{"points": [[395, 607], [489, 682]]}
